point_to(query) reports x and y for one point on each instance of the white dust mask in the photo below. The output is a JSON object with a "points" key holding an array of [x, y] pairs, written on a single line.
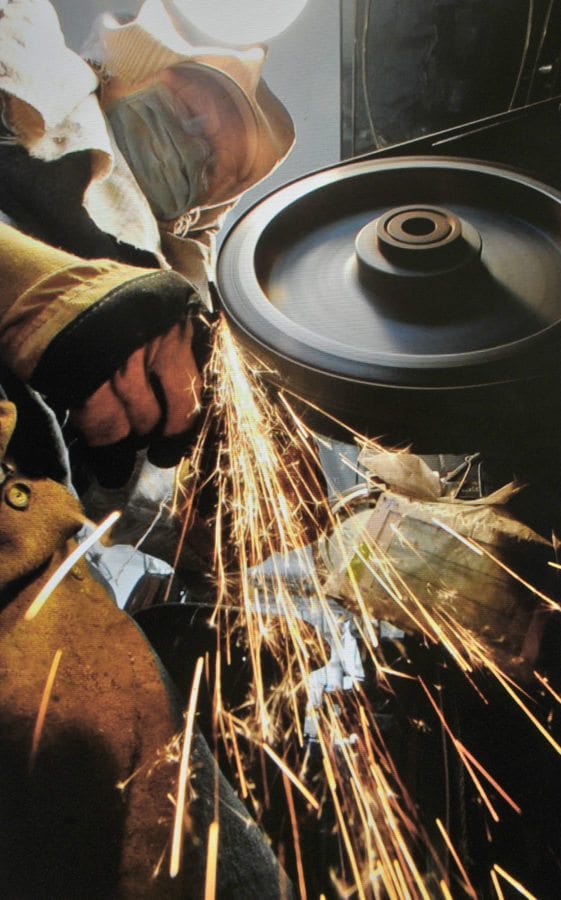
{"points": [[164, 149]]}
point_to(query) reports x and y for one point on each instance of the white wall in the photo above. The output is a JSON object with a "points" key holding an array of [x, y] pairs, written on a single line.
{"points": [[302, 68], [77, 16]]}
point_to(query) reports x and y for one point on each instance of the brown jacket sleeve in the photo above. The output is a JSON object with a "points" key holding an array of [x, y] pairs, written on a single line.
{"points": [[66, 324]]}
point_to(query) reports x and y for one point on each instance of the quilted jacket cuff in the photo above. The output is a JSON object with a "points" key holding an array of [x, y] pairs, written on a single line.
{"points": [[92, 346]]}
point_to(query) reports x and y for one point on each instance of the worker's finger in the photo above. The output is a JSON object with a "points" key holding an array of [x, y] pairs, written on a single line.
{"points": [[171, 360], [102, 418], [131, 386]]}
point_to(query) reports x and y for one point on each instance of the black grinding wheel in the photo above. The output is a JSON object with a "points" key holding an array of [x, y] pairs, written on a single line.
{"points": [[414, 299]]}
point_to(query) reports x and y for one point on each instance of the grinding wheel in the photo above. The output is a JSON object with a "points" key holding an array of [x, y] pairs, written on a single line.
{"points": [[415, 299]]}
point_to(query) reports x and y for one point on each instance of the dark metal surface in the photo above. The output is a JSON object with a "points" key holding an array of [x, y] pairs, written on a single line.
{"points": [[447, 339], [527, 138], [414, 67]]}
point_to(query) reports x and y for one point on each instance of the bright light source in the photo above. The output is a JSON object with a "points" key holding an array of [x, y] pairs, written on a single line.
{"points": [[241, 21]]}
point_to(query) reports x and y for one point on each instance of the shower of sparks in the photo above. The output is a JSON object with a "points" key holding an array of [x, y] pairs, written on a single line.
{"points": [[67, 564], [270, 502], [269, 506], [43, 706]]}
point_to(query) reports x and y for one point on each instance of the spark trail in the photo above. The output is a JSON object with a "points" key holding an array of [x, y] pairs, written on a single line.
{"points": [[270, 508]]}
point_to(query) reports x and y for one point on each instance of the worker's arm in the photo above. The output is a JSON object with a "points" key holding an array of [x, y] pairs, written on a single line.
{"points": [[111, 342]]}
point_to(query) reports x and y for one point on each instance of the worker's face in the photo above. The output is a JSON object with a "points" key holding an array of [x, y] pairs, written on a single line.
{"points": [[200, 139], [204, 99]]}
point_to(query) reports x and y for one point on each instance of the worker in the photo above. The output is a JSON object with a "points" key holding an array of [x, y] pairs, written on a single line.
{"points": [[134, 156], [115, 175]]}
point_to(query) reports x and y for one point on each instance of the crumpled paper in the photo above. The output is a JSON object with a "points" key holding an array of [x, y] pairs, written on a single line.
{"points": [[423, 561], [404, 473]]}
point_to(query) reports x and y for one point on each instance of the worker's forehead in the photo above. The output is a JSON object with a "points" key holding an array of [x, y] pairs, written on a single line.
{"points": [[201, 89]]}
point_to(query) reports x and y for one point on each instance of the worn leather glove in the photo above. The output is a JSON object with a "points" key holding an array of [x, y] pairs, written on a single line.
{"points": [[113, 343], [154, 395]]}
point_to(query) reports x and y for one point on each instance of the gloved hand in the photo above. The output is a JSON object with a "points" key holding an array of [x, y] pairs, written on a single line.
{"points": [[152, 401], [113, 343], [156, 389]]}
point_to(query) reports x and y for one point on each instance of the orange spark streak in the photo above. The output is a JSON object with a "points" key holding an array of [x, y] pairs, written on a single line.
{"points": [[432, 630], [400, 879], [497, 885], [367, 728], [295, 836], [516, 884], [211, 861], [239, 767], [490, 779], [67, 564], [367, 442], [386, 670], [386, 868], [293, 778], [534, 590], [468, 885], [178, 826], [545, 683], [341, 819], [401, 846], [159, 864], [503, 681], [42, 712], [458, 746], [217, 694]]}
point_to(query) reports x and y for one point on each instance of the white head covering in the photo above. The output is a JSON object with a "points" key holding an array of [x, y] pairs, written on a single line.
{"points": [[49, 99]]}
